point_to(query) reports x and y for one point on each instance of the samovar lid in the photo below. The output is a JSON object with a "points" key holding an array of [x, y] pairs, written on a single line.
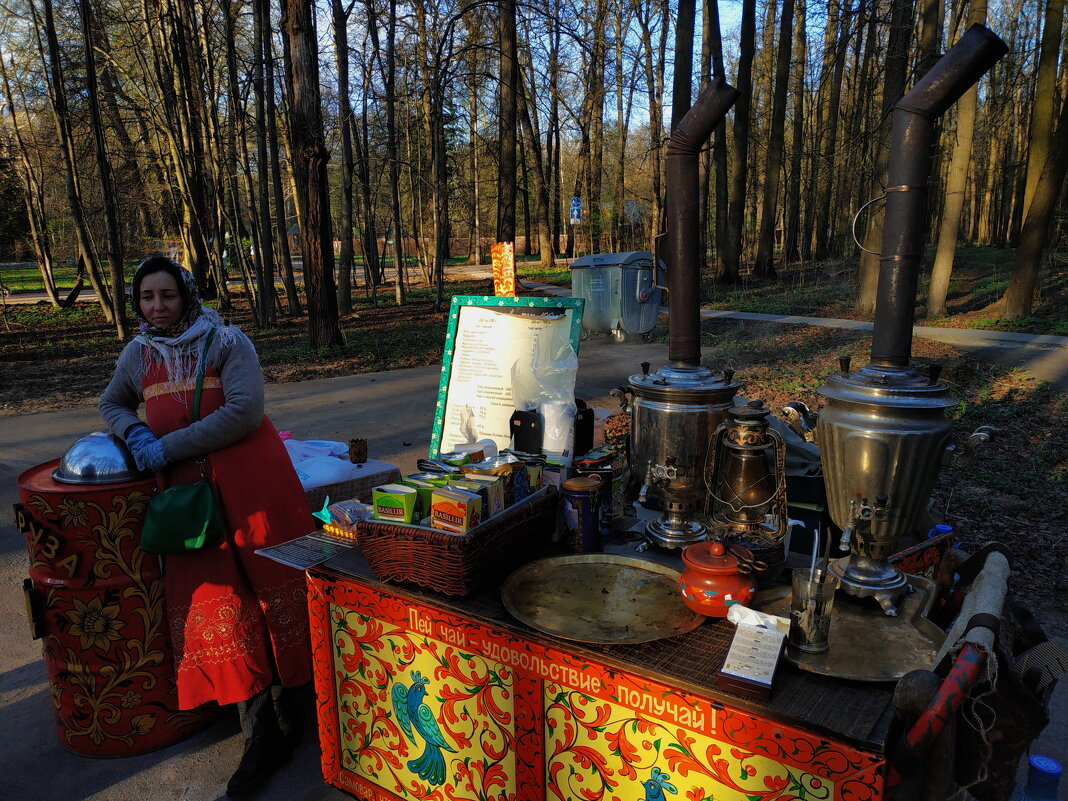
{"points": [[889, 386], [686, 378]]}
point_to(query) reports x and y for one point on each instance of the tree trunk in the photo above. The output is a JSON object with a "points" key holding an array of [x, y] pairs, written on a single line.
{"points": [[309, 166], [61, 114], [1034, 237], [682, 87], [719, 137], [107, 186], [507, 129], [33, 198], [281, 225], [837, 41], [653, 64], [1045, 97], [264, 264], [792, 214], [391, 154], [893, 87], [959, 171], [475, 236], [765, 261], [541, 186], [344, 259], [733, 251]]}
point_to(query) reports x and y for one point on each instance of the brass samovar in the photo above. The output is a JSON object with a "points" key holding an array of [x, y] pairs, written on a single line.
{"points": [[882, 432]]}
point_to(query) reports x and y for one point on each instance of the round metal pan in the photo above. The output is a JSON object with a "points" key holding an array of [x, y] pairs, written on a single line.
{"points": [[865, 644], [599, 598]]}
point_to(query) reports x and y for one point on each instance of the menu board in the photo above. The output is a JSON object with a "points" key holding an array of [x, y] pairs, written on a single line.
{"points": [[493, 346]]}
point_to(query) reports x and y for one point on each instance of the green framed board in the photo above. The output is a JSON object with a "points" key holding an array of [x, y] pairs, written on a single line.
{"points": [[487, 339]]}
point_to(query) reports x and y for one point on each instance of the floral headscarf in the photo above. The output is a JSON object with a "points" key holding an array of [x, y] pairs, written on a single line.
{"points": [[178, 346], [187, 288]]}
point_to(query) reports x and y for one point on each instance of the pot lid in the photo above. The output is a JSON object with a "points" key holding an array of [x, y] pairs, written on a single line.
{"points": [[686, 383], [715, 557], [98, 458], [888, 386], [583, 483]]}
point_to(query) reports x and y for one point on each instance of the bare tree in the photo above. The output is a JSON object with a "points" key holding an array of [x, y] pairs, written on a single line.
{"points": [[732, 253], [341, 53], [765, 260], [959, 171], [309, 168]]}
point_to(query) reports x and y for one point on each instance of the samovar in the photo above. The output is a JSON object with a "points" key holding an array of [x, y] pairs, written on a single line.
{"points": [[675, 410], [674, 414], [882, 432], [746, 482]]}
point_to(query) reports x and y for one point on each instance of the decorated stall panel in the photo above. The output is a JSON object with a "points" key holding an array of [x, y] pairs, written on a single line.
{"points": [[417, 702]]}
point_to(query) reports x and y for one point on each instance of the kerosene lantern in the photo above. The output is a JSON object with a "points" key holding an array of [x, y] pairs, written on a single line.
{"points": [[746, 478]]}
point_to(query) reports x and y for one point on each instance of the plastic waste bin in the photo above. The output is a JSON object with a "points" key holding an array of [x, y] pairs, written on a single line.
{"points": [[621, 297]]}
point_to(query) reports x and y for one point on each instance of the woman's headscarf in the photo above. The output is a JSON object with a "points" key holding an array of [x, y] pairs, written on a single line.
{"points": [[178, 346]]}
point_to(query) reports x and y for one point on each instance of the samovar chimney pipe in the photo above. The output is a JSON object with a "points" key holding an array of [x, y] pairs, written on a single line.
{"points": [[683, 219], [908, 170]]}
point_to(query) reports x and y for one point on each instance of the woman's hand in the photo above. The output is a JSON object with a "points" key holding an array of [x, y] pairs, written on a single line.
{"points": [[147, 450]]}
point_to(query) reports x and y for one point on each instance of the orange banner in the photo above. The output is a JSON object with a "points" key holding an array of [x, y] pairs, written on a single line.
{"points": [[503, 257]]}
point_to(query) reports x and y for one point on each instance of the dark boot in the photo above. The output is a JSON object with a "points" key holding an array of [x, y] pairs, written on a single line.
{"points": [[266, 747]]}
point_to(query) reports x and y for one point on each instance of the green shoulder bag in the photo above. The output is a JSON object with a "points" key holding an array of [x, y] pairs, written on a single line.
{"points": [[184, 517]]}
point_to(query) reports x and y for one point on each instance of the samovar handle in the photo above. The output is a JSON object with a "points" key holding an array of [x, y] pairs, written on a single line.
{"points": [[625, 396], [978, 438], [800, 420]]}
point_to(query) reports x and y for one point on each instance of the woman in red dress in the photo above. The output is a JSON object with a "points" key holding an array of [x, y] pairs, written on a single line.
{"points": [[238, 621]]}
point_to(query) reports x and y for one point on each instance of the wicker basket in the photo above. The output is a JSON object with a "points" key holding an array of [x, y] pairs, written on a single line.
{"points": [[459, 564]]}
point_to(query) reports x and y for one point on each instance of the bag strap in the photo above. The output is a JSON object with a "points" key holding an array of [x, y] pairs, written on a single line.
{"points": [[200, 375]]}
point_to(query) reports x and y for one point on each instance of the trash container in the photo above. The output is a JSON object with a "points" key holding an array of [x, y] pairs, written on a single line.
{"points": [[95, 600], [621, 297]]}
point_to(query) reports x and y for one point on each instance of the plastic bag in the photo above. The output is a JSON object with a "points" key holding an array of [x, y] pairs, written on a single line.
{"points": [[319, 471], [547, 384]]}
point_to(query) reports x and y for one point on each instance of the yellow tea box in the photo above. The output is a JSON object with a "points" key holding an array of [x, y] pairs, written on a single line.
{"points": [[492, 490], [455, 509], [395, 503]]}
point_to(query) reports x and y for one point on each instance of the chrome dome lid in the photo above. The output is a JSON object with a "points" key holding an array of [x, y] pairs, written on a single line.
{"points": [[98, 458]]}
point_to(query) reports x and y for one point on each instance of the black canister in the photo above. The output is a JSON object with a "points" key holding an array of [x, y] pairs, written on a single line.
{"points": [[581, 513]]}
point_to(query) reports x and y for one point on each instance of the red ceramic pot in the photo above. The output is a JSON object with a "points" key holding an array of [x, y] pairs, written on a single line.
{"points": [[716, 577]]}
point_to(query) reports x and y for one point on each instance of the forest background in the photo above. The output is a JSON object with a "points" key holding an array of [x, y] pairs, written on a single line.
{"points": [[234, 135]]}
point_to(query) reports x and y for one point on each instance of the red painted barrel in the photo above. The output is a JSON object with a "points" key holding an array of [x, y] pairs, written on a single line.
{"points": [[96, 600]]}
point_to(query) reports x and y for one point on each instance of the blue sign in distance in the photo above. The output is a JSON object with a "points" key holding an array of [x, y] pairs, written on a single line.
{"points": [[576, 215], [576, 202]]}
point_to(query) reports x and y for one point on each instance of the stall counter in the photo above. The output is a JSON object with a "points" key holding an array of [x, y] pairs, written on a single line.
{"points": [[422, 695]]}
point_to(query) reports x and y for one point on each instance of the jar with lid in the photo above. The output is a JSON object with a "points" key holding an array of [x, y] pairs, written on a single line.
{"points": [[716, 577]]}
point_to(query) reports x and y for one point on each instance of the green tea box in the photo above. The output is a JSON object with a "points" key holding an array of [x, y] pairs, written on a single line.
{"points": [[395, 503]]}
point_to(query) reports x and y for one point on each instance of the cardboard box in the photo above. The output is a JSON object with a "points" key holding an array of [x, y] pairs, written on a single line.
{"points": [[455, 509], [424, 490], [490, 488], [395, 503]]}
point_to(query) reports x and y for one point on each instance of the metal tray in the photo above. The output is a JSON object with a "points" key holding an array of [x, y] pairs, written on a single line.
{"points": [[865, 644], [599, 598]]}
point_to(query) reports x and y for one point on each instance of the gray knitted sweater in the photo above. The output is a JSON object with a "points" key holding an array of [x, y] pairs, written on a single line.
{"points": [[234, 359]]}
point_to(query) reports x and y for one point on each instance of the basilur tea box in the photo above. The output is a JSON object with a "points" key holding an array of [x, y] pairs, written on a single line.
{"points": [[455, 509], [395, 503]]}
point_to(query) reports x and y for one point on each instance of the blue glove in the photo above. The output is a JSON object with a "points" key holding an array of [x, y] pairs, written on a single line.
{"points": [[146, 447]]}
